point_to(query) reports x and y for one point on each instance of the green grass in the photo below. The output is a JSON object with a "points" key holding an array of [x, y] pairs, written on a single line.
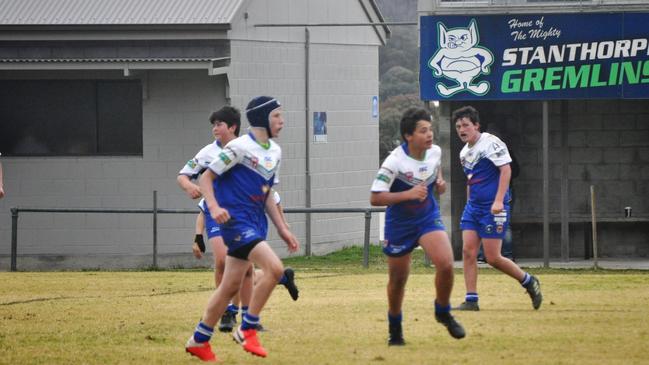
{"points": [[145, 317]]}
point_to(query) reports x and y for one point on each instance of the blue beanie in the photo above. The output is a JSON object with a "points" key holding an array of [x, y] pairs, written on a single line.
{"points": [[258, 112]]}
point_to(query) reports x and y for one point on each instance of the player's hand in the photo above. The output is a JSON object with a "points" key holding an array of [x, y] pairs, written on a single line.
{"points": [[292, 243], [220, 215], [497, 207], [441, 186], [194, 191], [197, 251], [418, 192]]}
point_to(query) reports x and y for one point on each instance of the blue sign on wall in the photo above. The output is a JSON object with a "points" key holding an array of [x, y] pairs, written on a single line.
{"points": [[534, 56]]}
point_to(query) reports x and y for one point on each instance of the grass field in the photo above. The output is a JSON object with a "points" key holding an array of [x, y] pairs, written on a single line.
{"points": [[145, 317]]}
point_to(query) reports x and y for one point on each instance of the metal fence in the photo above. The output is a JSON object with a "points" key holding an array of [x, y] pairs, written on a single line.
{"points": [[15, 213]]}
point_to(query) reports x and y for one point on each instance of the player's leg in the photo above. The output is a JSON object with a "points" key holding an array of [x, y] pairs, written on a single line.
{"points": [[529, 282], [470, 246], [437, 247], [245, 293], [197, 344], [263, 256], [398, 272], [219, 250]]}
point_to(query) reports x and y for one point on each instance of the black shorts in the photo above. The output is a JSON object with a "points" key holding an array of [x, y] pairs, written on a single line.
{"points": [[243, 251]]}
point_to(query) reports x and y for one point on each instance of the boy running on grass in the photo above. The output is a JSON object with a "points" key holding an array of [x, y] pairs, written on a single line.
{"points": [[486, 163], [226, 123], [236, 187], [405, 183]]}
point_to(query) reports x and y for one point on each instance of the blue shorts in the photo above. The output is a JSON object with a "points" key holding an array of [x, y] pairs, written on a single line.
{"points": [[481, 220], [238, 233], [401, 238], [211, 227]]}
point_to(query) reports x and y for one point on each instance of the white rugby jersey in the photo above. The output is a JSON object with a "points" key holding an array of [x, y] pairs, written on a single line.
{"points": [[400, 172], [203, 158], [245, 171], [481, 164]]}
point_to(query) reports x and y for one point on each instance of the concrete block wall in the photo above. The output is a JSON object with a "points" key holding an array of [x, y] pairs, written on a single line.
{"points": [[343, 79], [606, 145], [176, 108]]}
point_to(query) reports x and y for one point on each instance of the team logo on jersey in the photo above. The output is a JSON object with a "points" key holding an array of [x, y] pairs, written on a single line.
{"points": [[192, 163], [383, 178], [410, 175], [499, 228], [268, 162], [254, 161], [224, 157], [489, 228]]}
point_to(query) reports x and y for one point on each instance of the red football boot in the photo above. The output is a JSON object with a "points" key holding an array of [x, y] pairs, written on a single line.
{"points": [[202, 350], [248, 339]]}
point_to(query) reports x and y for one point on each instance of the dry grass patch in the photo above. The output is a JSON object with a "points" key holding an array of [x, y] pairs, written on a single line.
{"points": [[340, 318]]}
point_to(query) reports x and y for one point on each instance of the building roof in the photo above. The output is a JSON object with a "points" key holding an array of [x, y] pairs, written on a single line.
{"points": [[117, 12]]}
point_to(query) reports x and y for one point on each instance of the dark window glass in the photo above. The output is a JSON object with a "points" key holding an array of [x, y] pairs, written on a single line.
{"points": [[70, 117]]}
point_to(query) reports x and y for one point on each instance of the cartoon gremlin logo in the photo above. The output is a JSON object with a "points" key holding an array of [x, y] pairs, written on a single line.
{"points": [[460, 59]]}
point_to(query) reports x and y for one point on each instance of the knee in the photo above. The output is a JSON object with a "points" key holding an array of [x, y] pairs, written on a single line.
{"points": [[445, 268], [398, 280], [469, 253], [493, 260]]}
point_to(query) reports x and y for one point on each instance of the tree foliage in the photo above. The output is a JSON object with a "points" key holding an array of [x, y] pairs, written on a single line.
{"points": [[399, 72]]}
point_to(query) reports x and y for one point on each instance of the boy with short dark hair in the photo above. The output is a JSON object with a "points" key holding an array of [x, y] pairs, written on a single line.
{"points": [[236, 187], [486, 163], [406, 183]]}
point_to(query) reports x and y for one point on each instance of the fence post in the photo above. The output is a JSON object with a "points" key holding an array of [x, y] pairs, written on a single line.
{"points": [[155, 229], [366, 243], [14, 238]]}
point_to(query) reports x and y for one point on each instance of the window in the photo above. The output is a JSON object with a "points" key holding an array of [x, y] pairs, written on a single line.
{"points": [[70, 117]]}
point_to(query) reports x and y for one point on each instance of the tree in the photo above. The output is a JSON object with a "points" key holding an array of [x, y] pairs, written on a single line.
{"points": [[391, 111]]}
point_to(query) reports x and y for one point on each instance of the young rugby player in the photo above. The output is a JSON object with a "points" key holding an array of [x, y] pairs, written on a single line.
{"points": [[226, 123], [405, 183], [486, 163], [236, 188]]}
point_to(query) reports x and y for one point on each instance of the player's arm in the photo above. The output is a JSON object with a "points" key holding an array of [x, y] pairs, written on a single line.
{"points": [[198, 247], [282, 228], [503, 185], [382, 198], [278, 201], [205, 182], [185, 183], [440, 183], [380, 191]]}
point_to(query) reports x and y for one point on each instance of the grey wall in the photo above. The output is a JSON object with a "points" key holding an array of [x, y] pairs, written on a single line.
{"points": [[604, 143], [343, 78], [176, 108]]}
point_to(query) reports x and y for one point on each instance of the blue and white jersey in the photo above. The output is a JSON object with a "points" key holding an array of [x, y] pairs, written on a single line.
{"points": [[246, 171], [203, 158], [481, 164], [194, 167], [400, 172]]}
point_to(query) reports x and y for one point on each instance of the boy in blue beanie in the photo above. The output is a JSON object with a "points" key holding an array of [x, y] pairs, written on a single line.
{"points": [[236, 188]]}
